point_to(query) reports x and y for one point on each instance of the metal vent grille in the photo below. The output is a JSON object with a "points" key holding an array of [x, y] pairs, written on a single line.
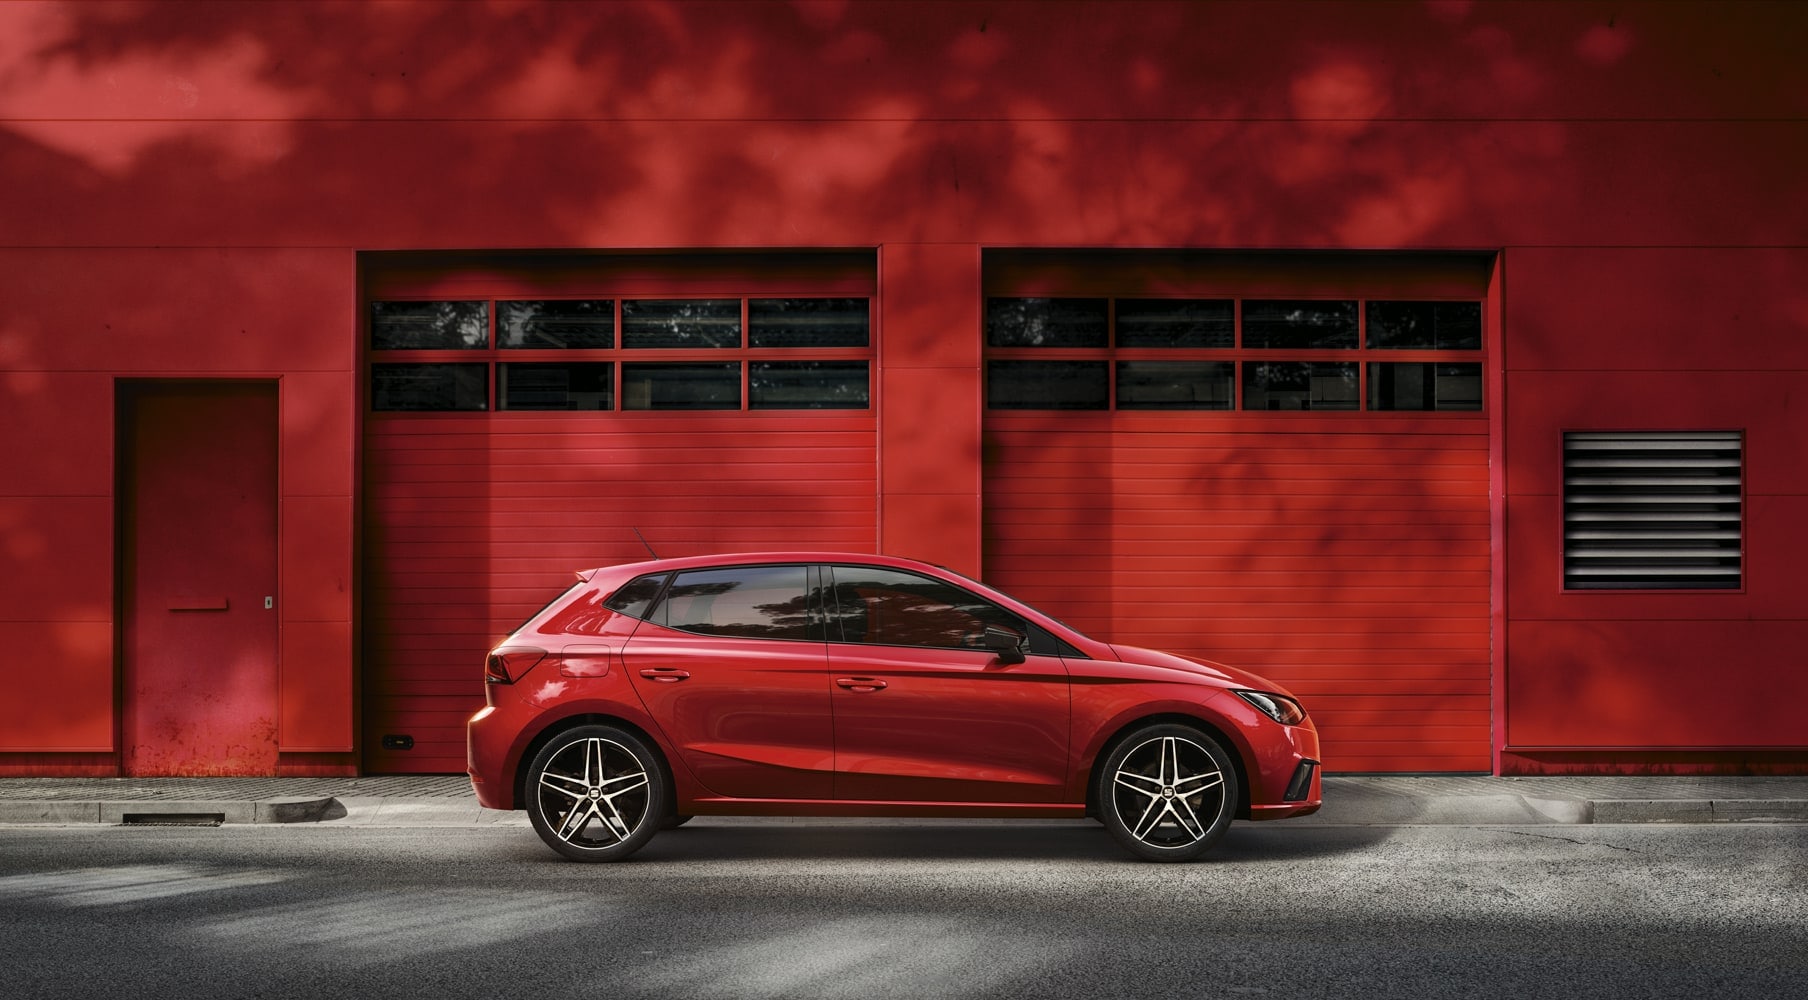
{"points": [[1652, 510]]}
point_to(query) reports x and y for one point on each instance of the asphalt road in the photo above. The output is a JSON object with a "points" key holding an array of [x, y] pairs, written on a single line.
{"points": [[739, 908]]}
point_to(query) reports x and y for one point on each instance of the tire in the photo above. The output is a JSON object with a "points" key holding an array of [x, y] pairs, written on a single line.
{"points": [[673, 822], [597, 793], [1166, 792]]}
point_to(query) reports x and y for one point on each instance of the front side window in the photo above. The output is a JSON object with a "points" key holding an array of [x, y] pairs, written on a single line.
{"points": [[885, 607], [749, 602]]}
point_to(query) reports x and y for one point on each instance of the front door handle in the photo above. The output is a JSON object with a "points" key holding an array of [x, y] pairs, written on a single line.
{"points": [[665, 675], [860, 683]]}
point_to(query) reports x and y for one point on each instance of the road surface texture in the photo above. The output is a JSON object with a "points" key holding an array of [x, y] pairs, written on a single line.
{"points": [[821, 908]]}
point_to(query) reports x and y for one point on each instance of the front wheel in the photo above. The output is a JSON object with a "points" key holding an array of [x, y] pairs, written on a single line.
{"points": [[1167, 792], [596, 793]]}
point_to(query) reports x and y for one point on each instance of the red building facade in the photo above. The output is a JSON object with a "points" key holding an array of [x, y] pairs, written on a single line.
{"points": [[1439, 360]]}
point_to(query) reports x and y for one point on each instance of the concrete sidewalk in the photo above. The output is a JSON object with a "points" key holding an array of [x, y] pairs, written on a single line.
{"points": [[1355, 800]]}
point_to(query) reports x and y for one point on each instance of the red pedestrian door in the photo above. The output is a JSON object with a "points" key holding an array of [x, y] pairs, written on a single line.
{"points": [[197, 488]]}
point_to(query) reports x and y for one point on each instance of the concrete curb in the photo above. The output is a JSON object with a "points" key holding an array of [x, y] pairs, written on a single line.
{"points": [[1700, 811], [165, 812]]}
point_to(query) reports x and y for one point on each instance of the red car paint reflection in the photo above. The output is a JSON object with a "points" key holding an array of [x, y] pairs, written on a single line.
{"points": [[829, 684]]}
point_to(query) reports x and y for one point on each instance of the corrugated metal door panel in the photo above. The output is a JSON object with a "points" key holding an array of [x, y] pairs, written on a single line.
{"points": [[473, 521], [1347, 558]]}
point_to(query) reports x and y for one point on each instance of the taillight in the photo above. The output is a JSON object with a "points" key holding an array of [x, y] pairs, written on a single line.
{"points": [[506, 664]]}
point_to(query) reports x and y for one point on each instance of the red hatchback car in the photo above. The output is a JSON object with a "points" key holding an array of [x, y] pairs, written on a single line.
{"points": [[827, 684]]}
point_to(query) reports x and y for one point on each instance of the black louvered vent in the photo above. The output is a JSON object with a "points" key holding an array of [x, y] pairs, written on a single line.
{"points": [[1652, 510]]}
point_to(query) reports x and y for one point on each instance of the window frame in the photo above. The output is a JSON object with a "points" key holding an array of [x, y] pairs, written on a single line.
{"points": [[1363, 355], [621, 358]]}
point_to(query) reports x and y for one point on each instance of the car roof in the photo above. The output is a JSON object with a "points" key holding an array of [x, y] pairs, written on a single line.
{"points": [[757, 558]]}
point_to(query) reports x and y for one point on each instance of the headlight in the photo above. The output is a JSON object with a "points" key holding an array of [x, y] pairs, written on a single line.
{"points": [[1278, 707]]}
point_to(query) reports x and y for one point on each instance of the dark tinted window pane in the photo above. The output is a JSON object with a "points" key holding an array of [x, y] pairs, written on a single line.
{"points": [[1047, 385], [1276, 324], [808, 323], [1176, 323], [1047, 323], [807, 385], [681, 386], [429, 387], [1426, 326], [1427, 386], [681, 323], [556, 324], [1176, 385], [422, 326], [1299, 385], [888, 608], [577, 385], [752, 602], [634, 598]]}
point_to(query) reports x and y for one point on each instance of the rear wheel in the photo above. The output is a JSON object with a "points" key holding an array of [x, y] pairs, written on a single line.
{"points": [[1167, 792], [596, 793]]}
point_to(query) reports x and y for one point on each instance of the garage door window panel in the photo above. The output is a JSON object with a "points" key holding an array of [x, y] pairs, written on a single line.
{"points": [[685, 324], [809, 323], [1048, 385], [1425, 385], [681, 386], [808, 385], [429, 387], [1176, 385], [1176, 323], [552, 324], [424, 326], [577, 385], [1047, 322]]}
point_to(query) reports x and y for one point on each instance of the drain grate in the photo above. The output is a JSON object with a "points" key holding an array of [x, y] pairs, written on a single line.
{"points": [[172, 819]]}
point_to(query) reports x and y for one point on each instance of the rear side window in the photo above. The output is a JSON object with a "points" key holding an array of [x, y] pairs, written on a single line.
{"points": [[750, 602], [638, 595]]}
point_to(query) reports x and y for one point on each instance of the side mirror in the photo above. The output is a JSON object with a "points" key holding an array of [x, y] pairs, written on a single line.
{"points": [[1007, 643]]}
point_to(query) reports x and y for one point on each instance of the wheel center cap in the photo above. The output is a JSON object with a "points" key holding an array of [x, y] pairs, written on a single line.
{"points": [[1168, 792], [596, 793]]}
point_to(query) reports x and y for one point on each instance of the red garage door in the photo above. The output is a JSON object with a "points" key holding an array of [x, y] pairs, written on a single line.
{"points": [[1281, 465], [526, 417]]}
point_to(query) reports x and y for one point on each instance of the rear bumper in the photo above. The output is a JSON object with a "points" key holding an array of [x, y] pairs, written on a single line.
{"points": [[487, 744]]}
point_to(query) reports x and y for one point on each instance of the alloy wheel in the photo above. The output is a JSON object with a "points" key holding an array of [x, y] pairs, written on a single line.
{"points": [[594, 793], [1167, 793]]}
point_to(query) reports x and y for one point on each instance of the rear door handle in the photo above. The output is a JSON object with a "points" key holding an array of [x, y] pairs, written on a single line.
{"points": [[665, 675], [860, 683]]}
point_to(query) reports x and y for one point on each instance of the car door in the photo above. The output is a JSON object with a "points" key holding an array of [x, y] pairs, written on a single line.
{"points": [[732, 666], [923, 712]]}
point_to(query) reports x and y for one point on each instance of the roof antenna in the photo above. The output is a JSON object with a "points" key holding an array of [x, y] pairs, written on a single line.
{"points": [[643, 541]]}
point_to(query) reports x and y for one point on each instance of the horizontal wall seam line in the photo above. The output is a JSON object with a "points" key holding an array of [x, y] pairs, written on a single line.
{"points": [[912, 119], [983, 244]]}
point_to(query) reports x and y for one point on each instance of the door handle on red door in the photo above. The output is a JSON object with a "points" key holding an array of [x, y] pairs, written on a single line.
{"points": [[860, 683], [665, 675]]}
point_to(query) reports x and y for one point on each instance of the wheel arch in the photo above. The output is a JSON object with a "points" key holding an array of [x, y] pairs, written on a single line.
{"points": [[1212, 729], [564, 724]]}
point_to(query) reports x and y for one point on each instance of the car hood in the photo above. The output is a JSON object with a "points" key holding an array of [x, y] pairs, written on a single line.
{"points": [[1229, 676]]}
